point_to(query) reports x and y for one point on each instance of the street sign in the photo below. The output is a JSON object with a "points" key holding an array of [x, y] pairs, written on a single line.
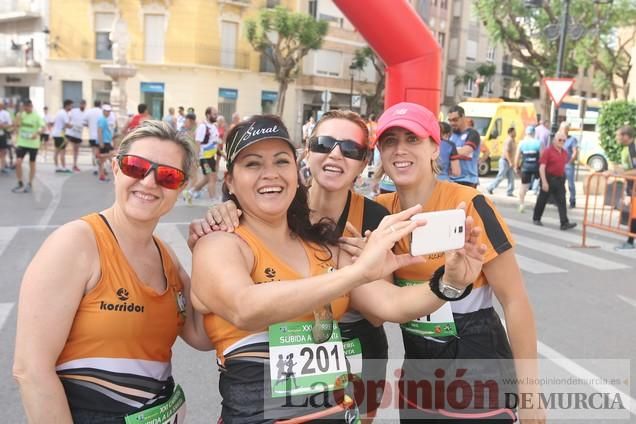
{"points": [[558, 88], [325, 96]]}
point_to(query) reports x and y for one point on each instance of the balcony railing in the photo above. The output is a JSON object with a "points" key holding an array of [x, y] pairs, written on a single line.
{"points": [[17, 10], [17, 54], [240, 3]]}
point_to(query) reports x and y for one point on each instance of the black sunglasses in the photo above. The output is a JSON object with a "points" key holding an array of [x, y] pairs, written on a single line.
{"points": [[350, 149]]}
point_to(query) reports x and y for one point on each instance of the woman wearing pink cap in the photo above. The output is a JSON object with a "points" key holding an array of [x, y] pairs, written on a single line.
{"points": [[408, 138]]}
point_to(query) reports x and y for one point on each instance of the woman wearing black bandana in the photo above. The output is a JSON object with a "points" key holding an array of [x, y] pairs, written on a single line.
{"points": [[231, 279]]}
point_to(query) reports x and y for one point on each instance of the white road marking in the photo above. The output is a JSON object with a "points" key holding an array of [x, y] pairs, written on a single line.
{"points": [[569, 254], [537, 267], [55, 186], [627, 300], [6, 235], [170, 234], [573, 239], [5, 310], [578, 371]]}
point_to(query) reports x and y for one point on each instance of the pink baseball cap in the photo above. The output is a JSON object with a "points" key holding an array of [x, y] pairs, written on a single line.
{"points": [[411, 116]]}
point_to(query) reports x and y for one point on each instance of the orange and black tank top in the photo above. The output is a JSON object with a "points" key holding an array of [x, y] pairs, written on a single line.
{"points": [[363, 213], [230, 341], [117, 355]]}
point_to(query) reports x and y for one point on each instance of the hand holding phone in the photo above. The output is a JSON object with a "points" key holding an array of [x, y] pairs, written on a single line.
{"points": [[444, 231]]}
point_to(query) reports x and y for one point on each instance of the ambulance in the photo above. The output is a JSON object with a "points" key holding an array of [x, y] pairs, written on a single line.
{"points": [[492, 118]]}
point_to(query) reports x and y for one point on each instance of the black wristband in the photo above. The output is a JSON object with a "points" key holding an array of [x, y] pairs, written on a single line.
{"points": [[434, 285]]}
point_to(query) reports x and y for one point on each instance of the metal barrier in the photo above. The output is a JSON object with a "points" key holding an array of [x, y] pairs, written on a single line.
{"points": [[610, 204]]}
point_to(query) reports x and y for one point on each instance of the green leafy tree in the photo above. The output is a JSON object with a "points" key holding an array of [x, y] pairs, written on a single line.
{"points": [[523, 31], [375, 100], [528, 81], [614, 115], [284, 38]]}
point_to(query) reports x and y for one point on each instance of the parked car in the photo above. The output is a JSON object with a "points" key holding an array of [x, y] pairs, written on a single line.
{"points": [[591, 153]]}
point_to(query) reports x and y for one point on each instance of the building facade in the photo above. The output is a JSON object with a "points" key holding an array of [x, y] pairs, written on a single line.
{"points": [[191, 53], [23, 47], [328, 80]]}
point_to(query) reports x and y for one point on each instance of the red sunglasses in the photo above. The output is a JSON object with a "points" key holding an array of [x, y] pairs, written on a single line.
{"points": [[138, 167]]}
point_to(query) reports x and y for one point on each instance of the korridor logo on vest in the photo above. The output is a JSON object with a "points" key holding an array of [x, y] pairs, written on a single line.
{"points": [[122, 294]]}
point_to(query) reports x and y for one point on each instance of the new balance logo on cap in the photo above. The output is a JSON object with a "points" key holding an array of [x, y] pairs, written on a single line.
{"points": [[400, 112]]}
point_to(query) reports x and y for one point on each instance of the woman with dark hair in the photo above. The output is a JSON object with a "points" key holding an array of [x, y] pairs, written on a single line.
{"points": [[96, 323], [259, 285]]}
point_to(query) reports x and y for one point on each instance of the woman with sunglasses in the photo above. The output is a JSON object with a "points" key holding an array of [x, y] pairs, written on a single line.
{"points": [[408, 139], [96, 323], [275, 355]]}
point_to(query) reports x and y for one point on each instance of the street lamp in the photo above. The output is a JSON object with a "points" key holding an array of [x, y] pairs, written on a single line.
{"points": [[577, 32], [352, 68]]}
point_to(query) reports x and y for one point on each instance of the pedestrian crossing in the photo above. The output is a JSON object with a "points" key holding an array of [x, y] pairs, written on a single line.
{"points": [[5, 311], [540, 250], [6, 235]]}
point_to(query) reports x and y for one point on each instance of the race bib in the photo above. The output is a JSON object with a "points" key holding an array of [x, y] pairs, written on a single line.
{"points": [[353, 351], [298, 366], [26, 134], [438, 324], [172, 411]]}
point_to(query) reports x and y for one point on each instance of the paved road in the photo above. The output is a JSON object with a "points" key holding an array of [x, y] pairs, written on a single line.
{"points": [[584, 299]]}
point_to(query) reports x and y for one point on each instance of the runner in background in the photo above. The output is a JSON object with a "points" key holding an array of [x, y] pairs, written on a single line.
{"points": [[29, 126], [77, 119], [207, 136], [105, 133], [6, 124], [45, 137], [142, 115], [188, 131], [527, 164], [60, 125], [90, 120]]}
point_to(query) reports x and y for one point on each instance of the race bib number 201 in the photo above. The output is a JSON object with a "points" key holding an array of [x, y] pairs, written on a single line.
{"points": [[298, 366]]}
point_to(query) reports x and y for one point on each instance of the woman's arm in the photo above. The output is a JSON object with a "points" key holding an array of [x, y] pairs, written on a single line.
{"points": [[221, 284], [192, 332], [221, 281], [52, 289], [504, 276], [384, 301], [455, 168], [381, 301]]}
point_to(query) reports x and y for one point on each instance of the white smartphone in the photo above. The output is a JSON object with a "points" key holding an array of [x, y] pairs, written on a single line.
{"points": [[444, 230]]}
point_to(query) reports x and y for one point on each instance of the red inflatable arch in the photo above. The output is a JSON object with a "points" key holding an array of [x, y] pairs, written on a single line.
{"points": [[411, 54]]}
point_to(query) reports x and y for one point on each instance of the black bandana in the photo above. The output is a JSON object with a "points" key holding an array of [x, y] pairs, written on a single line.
{"points": [[257, 130]]}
